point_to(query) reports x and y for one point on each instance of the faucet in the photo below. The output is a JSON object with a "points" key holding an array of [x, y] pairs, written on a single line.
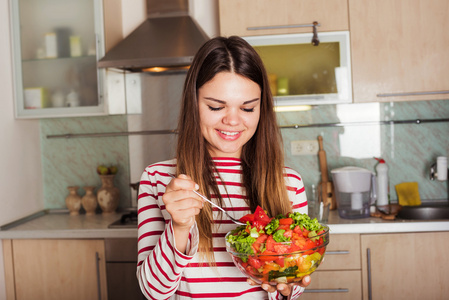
{"points": [[439, 171]]}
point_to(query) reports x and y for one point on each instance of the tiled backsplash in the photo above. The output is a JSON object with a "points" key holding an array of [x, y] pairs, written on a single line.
{"points": [[409, 149], [73, 161]]}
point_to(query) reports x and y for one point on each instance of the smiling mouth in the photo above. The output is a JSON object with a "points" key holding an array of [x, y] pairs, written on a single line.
{"points": [[229, 133]]}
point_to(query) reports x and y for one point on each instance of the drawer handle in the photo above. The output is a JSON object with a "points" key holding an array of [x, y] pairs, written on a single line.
{"points": [[412, 94], [282, 26], [97, 263], [338, 252], [368, 262], [326, 290]]}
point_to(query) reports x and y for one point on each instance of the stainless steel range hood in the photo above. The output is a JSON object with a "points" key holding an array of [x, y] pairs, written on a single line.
{"points": [[168, 39]]}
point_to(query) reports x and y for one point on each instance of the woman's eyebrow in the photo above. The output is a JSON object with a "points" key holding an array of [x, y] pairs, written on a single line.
{"points": [[224, 102], [251, 101]]}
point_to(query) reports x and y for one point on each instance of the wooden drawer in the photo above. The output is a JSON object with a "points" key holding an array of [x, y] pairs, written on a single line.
{"points": [[342, 253], [335, 285]]}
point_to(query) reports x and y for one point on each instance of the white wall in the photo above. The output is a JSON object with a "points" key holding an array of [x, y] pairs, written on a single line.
{"points": [[206, 14], [20, 155]]}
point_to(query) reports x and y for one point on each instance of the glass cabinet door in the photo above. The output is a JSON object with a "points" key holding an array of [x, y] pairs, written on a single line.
{"points": [[301, 73], [56, 47]]}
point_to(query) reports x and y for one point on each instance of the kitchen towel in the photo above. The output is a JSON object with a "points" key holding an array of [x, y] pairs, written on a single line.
{"points": [[408, 194]]}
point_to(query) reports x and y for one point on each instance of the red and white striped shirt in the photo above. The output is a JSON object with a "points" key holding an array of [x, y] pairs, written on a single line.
{"points": [[165, 273]]}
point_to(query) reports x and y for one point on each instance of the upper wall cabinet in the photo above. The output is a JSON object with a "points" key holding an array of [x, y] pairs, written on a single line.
{"points": [[399, 50], [56, 45], [301, 70], [264, 17]]}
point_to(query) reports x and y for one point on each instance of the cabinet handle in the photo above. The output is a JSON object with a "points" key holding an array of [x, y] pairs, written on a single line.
{"points": [[282, 26], [412, 94], [326, 290], [368, 261], [97, 263], [338, 252]]}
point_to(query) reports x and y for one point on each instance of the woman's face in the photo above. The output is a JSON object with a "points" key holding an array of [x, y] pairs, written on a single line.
{"points": [[229, 107]]}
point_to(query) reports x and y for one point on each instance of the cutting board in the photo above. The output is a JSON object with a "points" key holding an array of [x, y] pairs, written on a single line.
{"points": [[325, 187]]}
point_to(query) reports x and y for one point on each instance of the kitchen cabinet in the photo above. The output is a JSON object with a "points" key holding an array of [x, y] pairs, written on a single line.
{"points": [[121, 268], [56, 46], [339, 275], [405, 266], [300, 73], [250, 17], [55, 269], [399, 50]]}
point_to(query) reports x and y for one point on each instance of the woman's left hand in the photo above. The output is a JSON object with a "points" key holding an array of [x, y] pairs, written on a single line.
{"points": [[284, 288]]}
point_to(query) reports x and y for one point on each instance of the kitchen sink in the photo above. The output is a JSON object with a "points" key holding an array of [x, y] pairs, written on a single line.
{"points": [[424, 212]]}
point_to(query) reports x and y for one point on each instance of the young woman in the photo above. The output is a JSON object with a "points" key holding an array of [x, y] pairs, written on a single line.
{"points": [[229, 149]]}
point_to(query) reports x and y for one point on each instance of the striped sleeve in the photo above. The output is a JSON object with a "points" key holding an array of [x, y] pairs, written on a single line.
{"points": [[294, 294], [296, 191], [160, 264]]}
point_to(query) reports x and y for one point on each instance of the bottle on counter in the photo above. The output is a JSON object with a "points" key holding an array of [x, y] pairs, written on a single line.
{"points": [[383, 188]]}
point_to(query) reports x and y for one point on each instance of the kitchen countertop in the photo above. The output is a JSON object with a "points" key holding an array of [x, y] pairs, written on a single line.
{"points": [[60, 225]]}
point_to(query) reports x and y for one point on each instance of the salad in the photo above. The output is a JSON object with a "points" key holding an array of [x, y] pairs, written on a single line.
{"points": [[280, 249]]}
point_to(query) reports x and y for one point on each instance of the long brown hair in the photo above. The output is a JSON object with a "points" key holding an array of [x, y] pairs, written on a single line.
{"points": [[262, 156]]}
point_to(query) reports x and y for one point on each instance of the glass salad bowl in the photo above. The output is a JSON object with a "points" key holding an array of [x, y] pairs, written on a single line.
{"points": [[265, 260]]}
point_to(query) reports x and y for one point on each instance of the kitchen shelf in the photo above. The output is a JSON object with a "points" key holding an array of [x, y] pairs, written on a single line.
{"points": [[292, 126]]}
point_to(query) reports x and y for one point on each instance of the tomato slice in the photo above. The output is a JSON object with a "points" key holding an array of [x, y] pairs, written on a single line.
{"points": [[260, 225], [297, 229], [305, 232], [261, 216], [288, 233], [286, 221], [281, 248], [254, 262], [284, 227], [267, 255], [293, 248], [261, 239], [270, 243], [247, 218], [280, 261]]}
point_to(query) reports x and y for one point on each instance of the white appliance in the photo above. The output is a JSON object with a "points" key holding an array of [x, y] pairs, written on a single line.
{"points": [[355, 191]]}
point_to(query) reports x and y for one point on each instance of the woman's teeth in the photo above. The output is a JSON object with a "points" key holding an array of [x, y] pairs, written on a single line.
{"points": [[229, 133]]}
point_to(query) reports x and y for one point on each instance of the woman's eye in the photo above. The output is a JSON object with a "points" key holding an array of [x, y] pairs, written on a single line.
{"points": [[215, 108], [248, 109]]}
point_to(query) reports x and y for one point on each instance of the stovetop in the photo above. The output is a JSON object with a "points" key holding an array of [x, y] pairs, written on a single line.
{"points": [[128, 220]]}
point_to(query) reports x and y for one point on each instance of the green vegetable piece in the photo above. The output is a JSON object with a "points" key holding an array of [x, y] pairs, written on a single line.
{"points": [[288, 272], [254, 233], [304, 221], [278, 236], [272, 226]]}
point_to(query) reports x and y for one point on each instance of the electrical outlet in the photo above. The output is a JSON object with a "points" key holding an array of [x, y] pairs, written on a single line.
{"points": [[305, 147]]}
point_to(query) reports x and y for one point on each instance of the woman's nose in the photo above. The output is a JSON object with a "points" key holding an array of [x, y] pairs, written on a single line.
{"points": [[232, 117]]}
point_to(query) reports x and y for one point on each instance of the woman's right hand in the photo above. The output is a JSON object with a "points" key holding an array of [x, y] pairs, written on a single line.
{"points": [[181, 202]]}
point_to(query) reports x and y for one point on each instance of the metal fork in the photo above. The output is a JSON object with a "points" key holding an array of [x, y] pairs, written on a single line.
{"points": [[213, 204]]}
